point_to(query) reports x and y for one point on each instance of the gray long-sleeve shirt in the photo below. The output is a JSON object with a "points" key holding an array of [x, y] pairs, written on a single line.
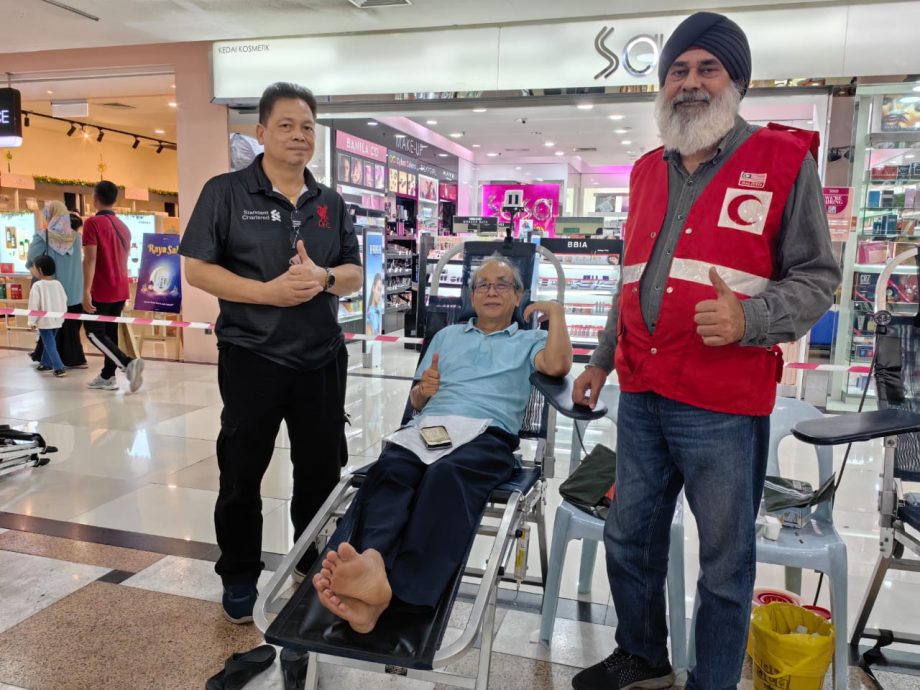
{"points": [[807, 269]]}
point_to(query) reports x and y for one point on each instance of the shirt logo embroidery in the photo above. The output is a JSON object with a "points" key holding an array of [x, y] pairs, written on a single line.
{"points": [[745, 210], [752, 180], [323, 213], [276, 216]]}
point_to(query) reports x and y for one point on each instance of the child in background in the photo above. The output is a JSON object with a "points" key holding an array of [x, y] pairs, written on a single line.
{"points": [[48, 295]]}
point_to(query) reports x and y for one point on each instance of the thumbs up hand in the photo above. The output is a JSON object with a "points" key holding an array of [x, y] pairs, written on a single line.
{"points": [[720, 321], [431, 378], [303, 267]]}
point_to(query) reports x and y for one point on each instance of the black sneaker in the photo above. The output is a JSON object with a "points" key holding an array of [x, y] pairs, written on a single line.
{"points": [[42, 367], [622, 671], [239, 602]]}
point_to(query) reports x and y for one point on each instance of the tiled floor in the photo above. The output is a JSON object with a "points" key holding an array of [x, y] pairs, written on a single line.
{"points": [[80, 612]]}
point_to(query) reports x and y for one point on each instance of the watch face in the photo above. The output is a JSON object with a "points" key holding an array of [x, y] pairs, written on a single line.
{"points": [[882, 318]]}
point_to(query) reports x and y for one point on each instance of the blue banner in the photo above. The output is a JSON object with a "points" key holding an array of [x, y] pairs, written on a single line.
{"points": [[159, 282]]}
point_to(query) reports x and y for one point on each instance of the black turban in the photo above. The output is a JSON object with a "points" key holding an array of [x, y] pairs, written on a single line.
{"points": [[715, 33]]}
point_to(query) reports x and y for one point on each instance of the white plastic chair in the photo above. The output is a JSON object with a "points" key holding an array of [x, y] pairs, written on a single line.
{"points": [[572, 523], [816, 546]]}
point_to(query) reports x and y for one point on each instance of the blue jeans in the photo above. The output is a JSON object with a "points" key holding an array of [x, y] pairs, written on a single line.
{"points": [[720, 461], [50, 356]]}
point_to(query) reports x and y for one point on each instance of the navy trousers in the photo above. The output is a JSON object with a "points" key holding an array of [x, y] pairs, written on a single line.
{"points": [[421, 517]]}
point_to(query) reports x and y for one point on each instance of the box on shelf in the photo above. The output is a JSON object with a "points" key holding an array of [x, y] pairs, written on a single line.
{"points": [[875, 252], [15, 291]]}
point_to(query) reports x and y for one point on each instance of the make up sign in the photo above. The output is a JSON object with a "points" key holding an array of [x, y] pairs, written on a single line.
{"points": [[10, 118]]}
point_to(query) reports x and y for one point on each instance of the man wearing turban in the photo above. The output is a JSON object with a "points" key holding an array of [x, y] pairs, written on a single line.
{"points": [[727, 254]]}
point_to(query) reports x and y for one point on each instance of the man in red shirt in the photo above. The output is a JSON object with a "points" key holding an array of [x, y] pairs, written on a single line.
{"points": [[106, 241]]}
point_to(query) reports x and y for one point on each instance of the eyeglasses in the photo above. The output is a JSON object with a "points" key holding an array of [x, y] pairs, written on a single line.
{"points": [[501, 287]]}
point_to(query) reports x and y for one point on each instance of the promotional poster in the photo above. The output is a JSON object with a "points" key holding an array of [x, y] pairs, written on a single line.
{"points": [[541, 203], [374, 285], [159, 283]]}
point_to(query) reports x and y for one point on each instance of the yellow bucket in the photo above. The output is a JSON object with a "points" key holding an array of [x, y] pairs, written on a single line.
{"points": [[784, 659]]}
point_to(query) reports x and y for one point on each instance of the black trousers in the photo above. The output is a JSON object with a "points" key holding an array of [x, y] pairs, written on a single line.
{"points": [[421, 517], [68, 341], [257, 394], [105, 337]]}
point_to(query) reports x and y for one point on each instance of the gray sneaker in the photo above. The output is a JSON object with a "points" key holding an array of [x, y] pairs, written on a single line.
{"points": [[103, 384], [135, 373]]}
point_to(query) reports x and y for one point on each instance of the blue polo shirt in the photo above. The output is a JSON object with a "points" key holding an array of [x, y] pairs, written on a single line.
{"points": [[483, 375]]}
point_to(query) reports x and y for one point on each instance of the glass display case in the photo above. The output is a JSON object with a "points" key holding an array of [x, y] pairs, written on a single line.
{"points": [[886, 183]]}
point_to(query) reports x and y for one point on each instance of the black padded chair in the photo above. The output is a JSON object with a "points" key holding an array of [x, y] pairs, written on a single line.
{"points": [[408, 641], [897, 421]]}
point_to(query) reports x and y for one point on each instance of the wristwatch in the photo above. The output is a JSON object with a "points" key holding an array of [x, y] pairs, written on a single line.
{"points": [[330, 280]]}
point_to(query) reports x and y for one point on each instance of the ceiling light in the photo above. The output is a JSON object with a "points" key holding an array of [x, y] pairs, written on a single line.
{"points": [[621, 130], [616, 117], [528, 174], [491, 154], [539, 179], [442, 155], [159, 131], [49, 92], [909, 155], [137, 142], [100, 135], [371, 123], [456, 135], [917, 88], [585, 106], [160, 147], [626, 142], [549, 144], [26, 120], [431, 122], [910, 99], [172, 86], [171, 104], [560, 153], [73, 128], [476, 146], [85, 133], [518, 167], [400, 136], [479, 110]]}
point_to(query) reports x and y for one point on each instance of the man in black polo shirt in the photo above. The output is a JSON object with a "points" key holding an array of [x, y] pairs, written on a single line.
{"points": [[277, 249]]}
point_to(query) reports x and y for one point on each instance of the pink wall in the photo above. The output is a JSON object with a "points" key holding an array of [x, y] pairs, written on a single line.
{"points": [[202, 135]]}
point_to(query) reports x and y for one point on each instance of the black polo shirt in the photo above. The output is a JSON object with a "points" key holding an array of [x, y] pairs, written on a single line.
{"points": [[240, 223]]}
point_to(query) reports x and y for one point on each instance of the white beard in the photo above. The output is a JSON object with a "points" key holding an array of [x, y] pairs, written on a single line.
{"points": [[693, 129]]}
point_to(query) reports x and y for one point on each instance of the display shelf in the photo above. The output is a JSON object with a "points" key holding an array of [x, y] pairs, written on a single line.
{"points": [[350, 318], [878, 268]]}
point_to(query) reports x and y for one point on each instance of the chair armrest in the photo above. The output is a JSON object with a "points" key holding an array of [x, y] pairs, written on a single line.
{"points": [[857, 426], [558, 393]]}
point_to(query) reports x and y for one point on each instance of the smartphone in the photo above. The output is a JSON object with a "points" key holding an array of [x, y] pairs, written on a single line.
{"points": [[435, 437]]}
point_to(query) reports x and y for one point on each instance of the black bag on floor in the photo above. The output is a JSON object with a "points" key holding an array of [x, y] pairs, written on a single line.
{"points": [[589, 484]]}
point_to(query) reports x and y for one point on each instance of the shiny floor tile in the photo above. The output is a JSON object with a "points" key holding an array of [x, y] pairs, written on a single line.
{"points": [[72, 551], [185, 577], [56, 494], [130, 414], [29, 584], [165, 511], [573, 644]]}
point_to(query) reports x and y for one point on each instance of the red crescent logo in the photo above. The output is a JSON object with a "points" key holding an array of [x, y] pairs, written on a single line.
{"points": [[735, 203]]}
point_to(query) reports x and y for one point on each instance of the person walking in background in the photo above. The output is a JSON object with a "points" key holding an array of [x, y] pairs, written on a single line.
{"points": [[48, 295], [62, 242], [106, 241]]}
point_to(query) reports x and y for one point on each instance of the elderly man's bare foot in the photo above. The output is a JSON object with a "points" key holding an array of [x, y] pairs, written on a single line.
{"points": [[359, 576], [360, 616]]}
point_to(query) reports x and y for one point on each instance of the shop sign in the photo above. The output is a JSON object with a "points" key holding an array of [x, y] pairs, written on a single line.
{"points": [[402, 163], [838, 204], [639, 57], [540, 201], [409, 145], [360, 147], [10, 118]]}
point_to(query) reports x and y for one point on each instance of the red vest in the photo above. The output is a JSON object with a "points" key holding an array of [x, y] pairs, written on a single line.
{"points": [[734, 226]]}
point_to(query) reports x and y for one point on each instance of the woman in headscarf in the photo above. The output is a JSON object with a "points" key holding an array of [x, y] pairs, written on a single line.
{"points": [[61, 241]]}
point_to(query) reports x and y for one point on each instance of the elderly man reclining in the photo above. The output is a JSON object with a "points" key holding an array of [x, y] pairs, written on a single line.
{"points": [[418, 507]]}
